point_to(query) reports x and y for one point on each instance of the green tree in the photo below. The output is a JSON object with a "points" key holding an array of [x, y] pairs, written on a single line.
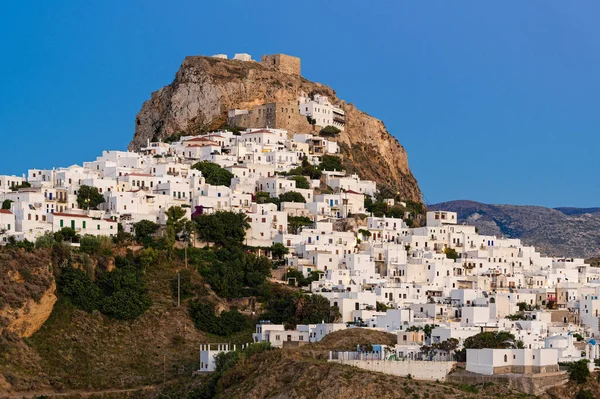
{"points": [[278, 250], [222, 228], [214, 174], [66, 234], [451, 253], [144, 230], [79, 287], [301, 182], [295, 222], [292, 196], [331, 163], [89, 197], [6, 204], [492, 340], [329, 131], [204, 317], [578, 371]]}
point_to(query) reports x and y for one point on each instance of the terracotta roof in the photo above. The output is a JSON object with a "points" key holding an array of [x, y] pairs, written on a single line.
{"points": [[351, 192], [6, 211], [140, 174]]}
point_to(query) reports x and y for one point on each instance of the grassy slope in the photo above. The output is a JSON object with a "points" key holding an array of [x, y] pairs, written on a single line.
{"points": [[82, 351]]}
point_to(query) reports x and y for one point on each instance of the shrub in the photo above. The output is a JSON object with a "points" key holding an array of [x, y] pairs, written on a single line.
{"points": [[214, 174], [578, 371], [301, 182], [204, 317], [329, 131], [292, 196], [331, 163], [79, 287], [144, 230], [96, 245], [89, 197], [222, 228]]}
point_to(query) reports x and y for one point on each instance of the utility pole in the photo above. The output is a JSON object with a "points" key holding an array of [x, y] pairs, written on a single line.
{"points": [[178, 289], [185, 251]]}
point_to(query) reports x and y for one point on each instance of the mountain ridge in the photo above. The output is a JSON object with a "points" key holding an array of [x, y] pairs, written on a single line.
{"points": [[551, 230]]}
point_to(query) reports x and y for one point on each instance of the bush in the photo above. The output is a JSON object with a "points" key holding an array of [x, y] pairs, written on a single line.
{"points": [[578, 371], [205, 319], [144, 230], [89, 197], [6, 204], [329, 131], [120, 293], [222, 228], [234, 273], [214, 174], [96, 245], [451, 253], [301, 182], [331, 163], [292, 196], [79, 287]]}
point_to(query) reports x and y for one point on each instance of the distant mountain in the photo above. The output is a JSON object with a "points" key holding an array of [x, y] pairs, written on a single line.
{"points": [[579, 211], [573, 232]]}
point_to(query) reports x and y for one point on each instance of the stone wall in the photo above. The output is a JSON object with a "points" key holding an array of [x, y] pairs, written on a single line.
{"points": [[283, 63], [421, 370], [277, 115], [532, 384]]}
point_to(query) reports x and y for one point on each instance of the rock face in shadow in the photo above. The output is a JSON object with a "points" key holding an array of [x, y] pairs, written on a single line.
{"points": [[205, 88]]}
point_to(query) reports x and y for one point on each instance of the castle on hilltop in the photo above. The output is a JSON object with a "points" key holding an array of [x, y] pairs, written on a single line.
{"points": [[281, 62]]}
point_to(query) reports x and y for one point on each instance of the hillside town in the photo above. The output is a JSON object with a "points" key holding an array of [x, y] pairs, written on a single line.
{"points": [[421, 275]]}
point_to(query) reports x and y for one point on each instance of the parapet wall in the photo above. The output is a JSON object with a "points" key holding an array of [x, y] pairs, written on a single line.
{"points": [[420, 370], [283, 63]]}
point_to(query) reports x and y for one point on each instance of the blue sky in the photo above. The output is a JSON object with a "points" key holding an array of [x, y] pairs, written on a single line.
{"points": [[494, 102]]}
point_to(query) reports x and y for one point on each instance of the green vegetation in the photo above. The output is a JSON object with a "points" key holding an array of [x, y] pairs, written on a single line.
{"points": [[6, 204], [451, 253], [301, 281], [306, 169], [144, 230], [492, 339], [578, 371], [214, 174], [89, 197], [291, 196], [205, 319], [227, 229], [331, 163], [120, 293], [293, 307], [19, 186], [301, 182], [329, 131], [296, 222]]}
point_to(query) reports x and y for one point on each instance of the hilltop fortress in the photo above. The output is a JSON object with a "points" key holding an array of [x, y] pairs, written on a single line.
{"points": [[281, 62]]}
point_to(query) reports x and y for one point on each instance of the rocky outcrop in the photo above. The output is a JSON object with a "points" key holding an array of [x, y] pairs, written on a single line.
{"points": [[25, 321], [205, 88]]}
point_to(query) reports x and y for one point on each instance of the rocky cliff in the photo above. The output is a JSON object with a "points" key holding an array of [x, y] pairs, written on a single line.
{"points": [[205, 88]]}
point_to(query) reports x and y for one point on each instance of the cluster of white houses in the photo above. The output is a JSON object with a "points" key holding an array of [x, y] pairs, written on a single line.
{"points": [[381, 260]]}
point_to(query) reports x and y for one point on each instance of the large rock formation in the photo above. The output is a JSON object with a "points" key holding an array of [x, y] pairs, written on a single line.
{"points": [[205, 88]]}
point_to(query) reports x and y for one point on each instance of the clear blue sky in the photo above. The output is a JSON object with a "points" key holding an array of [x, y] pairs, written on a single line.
{"points": [[494, 102]]}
